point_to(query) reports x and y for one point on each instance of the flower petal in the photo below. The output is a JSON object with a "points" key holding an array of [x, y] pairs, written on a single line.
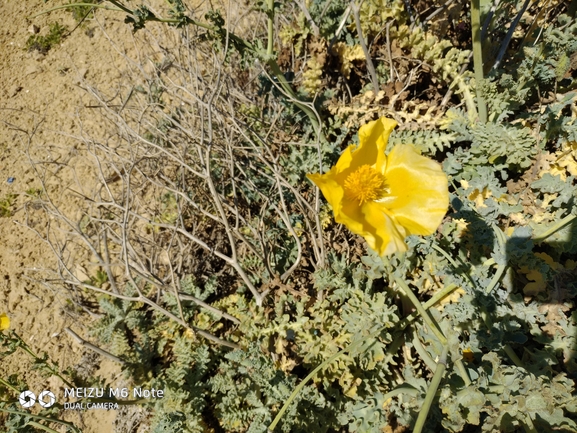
{"points": [[336, 175], [331, 189], [351, 215], [418, 190], [344, 162], [388, 236], [4, 322], [373, 139], [373, 222]]}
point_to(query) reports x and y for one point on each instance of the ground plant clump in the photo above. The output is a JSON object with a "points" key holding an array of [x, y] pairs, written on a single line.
{"points": [[323, 216]]}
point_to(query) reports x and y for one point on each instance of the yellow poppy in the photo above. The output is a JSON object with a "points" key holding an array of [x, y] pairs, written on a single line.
{"points": [[4, 322], [385, 198]]}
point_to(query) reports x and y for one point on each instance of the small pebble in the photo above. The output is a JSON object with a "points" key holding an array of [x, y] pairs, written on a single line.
{"points": [[11, 180]]}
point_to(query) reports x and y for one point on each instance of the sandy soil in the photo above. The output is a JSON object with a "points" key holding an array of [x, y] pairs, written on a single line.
{"points": [[41, 102]]}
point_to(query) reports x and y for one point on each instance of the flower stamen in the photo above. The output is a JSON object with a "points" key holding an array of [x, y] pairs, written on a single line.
{"points": [[365, 184]]}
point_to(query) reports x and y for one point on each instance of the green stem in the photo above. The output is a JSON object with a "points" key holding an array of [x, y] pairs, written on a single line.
{"points": [[443, 253], [432, 391], [422, 352], [437, 297], [450, 260], [269, 48], [422, 310], [478, 57], [561, 224], [496, 278], [312, 374], [445, 291], [41, 426], [52, 369], [71, 5], [288, 89], [501, 268], [8, 385], [44, 418], [430, 322], [462, 371], [121, 6], [273, 65], [401, 389]]}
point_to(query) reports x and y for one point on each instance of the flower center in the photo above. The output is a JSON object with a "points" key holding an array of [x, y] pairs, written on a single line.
{"points": [[365, 184]]}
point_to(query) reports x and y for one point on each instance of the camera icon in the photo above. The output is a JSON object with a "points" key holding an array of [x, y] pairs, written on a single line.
{"points": [[46, 399], [27, 399]]}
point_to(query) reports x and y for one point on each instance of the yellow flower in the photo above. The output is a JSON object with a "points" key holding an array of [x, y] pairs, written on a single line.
{"points": [[385, 198], [468, 355], [4, 322]]}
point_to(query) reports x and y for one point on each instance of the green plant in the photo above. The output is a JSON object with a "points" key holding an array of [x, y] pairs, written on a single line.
{"points": [[6, 205], [19, 420], [472, 328], [80, 13], [43, 44], [35, 193]]}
